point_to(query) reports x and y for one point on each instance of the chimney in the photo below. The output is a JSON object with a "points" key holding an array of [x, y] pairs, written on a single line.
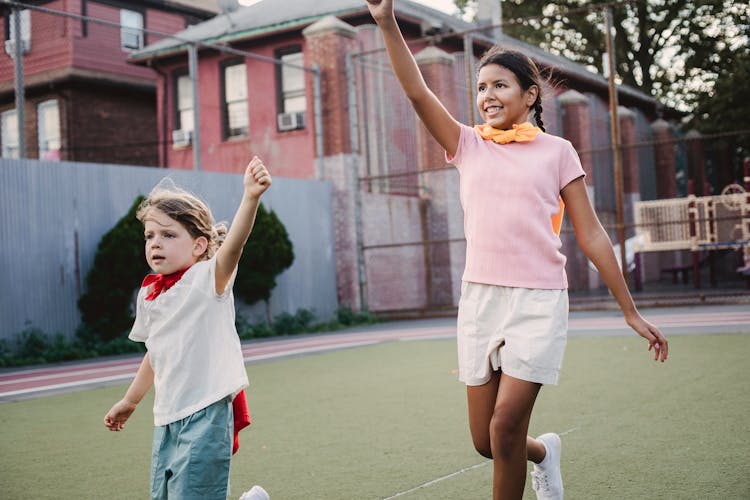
{"points": [[489, 13]]}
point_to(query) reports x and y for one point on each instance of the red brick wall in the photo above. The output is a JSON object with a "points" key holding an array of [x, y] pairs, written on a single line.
{"points": [[437, 71], [328, 48], [628, 139], [111, 126], [576, 125], [665, 161]]}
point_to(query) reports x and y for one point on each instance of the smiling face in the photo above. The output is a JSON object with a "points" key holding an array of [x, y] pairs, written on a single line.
{"points": [[501, 100], [169, 246]]}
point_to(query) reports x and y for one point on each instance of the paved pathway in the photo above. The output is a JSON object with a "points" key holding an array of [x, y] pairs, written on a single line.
{"points": [[46, 380]]}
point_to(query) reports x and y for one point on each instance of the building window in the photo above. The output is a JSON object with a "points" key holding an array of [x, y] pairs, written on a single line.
{"points": [[10, 32], [131, 29], [9, 124], [291, 89], [184, 103], [48, 114], [235, 100]]}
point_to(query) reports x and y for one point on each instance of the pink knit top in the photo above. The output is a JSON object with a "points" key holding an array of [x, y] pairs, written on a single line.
{"points": [[509, 192]]}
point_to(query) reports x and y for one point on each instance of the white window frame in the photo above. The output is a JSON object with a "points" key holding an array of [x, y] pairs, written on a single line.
{"points": [[25, 25], [131, 30], [10, 139], [25, 32], [50, 136], [237, 120], [293, 100], [184, 103]]}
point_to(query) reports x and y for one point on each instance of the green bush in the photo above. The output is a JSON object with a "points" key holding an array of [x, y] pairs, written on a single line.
{"points": [[267, 253], [289, 324], [302, 321], [32, 346], [347, 317], [119, 267]]}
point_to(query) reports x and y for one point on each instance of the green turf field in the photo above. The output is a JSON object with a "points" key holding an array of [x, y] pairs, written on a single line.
{"points": [[371, 422]]}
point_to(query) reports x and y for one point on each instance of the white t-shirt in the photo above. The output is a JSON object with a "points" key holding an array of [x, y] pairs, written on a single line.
{"points": [[192, 342]]}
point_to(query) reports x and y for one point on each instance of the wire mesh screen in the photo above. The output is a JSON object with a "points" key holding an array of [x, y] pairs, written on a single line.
{"points": [[601, 138], [645, 154], [388, 125], [464, 80]]}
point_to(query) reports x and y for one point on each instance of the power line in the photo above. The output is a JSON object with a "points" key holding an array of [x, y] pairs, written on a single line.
{"points": [[198, 43]]}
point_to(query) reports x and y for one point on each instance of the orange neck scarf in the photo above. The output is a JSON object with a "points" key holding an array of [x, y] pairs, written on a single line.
{"points": [[524, 132]]}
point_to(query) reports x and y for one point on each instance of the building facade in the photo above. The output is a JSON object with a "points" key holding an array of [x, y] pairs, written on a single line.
{"points": [[83, 101]]}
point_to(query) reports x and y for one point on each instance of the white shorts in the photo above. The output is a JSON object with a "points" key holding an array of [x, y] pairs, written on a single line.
{"points": [[520, 331]]}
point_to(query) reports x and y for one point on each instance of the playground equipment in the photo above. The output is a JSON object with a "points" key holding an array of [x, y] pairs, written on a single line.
{"points": [[698, 223]]}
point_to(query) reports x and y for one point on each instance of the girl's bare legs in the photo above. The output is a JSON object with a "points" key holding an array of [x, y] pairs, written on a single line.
{"points": [[499, 415]]}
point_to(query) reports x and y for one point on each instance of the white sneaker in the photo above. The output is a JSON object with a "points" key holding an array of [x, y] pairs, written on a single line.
{"points": [[546, 478], [255, 493]]}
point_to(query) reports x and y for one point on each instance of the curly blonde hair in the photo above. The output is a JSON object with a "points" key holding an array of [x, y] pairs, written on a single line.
{"points": [[188, 210]]}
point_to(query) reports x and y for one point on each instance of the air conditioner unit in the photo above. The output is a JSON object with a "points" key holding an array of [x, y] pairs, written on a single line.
{"points": [[181, 138], [291, 121], [10, 46]]}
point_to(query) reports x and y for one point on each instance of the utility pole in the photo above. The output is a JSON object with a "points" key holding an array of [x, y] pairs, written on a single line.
{"points": [[193, 68], [18, 77], [616, 151]]}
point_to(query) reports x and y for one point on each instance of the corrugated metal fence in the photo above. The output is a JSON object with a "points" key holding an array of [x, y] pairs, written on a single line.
{"points": [[53, 214]]}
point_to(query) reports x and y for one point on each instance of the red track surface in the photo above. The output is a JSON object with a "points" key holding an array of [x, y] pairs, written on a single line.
{"points": [[25, 383]]}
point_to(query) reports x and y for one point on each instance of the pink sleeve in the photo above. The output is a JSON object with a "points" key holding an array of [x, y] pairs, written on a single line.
{"points": [[464, 140], [570, 166]]}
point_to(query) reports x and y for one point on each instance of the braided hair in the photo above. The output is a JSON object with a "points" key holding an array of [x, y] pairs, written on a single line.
{"points": [[524, 68]]}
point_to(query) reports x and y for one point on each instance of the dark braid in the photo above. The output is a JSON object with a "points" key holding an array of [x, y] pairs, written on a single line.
{"points": [[538, 114]]}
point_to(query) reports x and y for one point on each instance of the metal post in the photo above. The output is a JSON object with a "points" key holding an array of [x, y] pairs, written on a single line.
{"points": [[193, 68], [18, 77], [354, 139], [318, 117], [469, 64], [616, 152]]}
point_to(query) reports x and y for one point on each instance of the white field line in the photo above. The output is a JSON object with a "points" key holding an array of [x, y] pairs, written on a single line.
{"points": [[52, 370], [443, 478], [74, 373], [277, 349], [457, 473], [63, 385]]}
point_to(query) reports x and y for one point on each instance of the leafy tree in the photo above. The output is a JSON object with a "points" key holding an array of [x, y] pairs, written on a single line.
{"points": [[119, 267], [267, 253], [671, 49], [725, 109]]}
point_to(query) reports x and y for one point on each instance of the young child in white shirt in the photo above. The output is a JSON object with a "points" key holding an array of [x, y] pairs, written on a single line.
{"points": [[185, 316]]}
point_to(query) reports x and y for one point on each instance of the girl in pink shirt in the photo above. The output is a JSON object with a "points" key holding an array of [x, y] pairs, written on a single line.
{"points": [[512, 318]]}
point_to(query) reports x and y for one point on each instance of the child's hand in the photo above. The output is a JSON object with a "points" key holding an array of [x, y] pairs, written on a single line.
{"points": [[118, 415], [380, 9], [656, 339], [257, 178]]}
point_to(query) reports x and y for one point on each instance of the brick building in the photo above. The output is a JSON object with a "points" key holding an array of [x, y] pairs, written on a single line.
{"points": [[307, 88], [83, 102]]}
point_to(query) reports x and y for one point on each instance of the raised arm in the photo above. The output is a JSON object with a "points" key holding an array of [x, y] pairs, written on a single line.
{"points": [[256, 181], [597, 246], [439, 122]]}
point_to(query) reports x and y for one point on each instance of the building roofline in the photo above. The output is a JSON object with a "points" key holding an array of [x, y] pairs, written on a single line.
{"points": [[227, 29]]}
